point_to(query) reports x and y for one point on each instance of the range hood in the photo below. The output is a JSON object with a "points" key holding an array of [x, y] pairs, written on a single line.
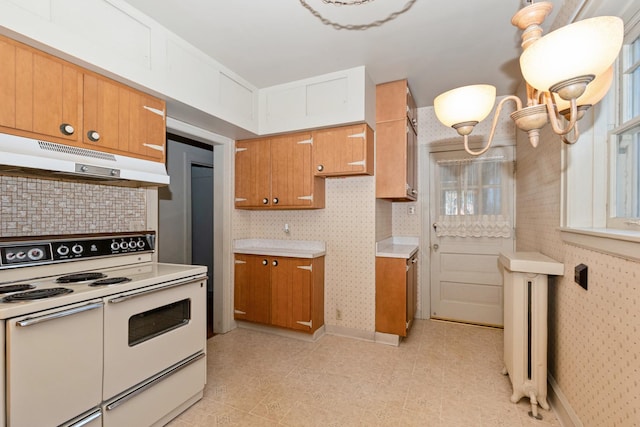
{"points": [[19, 155]]}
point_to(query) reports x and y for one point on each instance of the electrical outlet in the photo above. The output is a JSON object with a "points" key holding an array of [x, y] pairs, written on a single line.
{"points": [[338, 314], [411, 210]]}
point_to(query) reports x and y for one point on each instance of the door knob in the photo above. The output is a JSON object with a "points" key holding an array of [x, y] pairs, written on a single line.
{"points": [[435, 246]]}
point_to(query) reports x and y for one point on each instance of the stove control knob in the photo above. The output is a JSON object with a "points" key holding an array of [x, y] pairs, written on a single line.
{"points": [[141, 244], [123, 245], [63, 250], [11, 256], [115, 246], [35, 254], [21, 255], [77, 249], [132, 245]]}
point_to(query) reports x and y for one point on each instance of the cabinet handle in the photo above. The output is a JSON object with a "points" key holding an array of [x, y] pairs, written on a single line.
{"points": [[275, 263], [265, 262], [265, 201], [275, 200], [320, 168], [67, 129], [93, 135]]}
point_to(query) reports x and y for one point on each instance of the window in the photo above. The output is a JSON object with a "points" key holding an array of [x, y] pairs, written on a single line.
{"points": [[601, 183], [624, 203]]}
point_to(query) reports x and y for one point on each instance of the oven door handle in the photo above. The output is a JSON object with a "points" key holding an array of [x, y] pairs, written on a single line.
{"points": [[155, 380], [126, 297], [35, 320]]}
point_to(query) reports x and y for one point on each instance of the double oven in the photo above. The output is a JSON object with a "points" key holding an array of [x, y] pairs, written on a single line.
{"points": [[94, 333]]}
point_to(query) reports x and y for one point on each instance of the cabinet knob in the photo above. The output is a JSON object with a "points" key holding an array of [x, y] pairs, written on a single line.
{"points": [[320, 168], [275, 263], [265, 262], [275, 200], [414, 260], [93, 135], [67, 129], [265, 201]]}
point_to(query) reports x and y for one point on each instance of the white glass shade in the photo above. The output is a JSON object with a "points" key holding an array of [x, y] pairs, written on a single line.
{"points": [[584, 47], [596, 90], [465, 104]]}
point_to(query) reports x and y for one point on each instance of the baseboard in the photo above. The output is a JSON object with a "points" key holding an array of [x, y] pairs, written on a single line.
{"points": [[560, 404], [342, 331], [282, 332]]}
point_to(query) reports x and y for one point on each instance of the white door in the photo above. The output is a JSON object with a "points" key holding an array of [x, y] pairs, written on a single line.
{"points": [[472, 214]]}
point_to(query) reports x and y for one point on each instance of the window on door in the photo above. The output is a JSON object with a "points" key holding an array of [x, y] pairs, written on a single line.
{"points": [[469, 188]]}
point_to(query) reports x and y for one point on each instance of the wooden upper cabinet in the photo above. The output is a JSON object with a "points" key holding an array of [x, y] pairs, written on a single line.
{"points": [[396, 142], [277, 173], [253, 173], [44, 97], [120, 119], [40, 96], [394, 101], [343, 151]]}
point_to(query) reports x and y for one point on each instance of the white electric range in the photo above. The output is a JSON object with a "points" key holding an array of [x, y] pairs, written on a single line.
{"points": [[96, 333]]}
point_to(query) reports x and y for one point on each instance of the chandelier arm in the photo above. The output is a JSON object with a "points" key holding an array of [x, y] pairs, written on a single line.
{"points": [[576, 135], [494, 125], [554, 118]]}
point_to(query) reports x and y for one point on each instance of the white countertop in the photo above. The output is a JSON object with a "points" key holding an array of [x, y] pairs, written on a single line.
{"points": [[397, 247], [284, 248]]}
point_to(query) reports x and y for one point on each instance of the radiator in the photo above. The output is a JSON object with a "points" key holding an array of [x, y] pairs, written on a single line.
{"points": [[525, 281]]}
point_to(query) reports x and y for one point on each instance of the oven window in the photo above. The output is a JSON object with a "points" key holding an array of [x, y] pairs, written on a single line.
{"points": [[150, 324]]}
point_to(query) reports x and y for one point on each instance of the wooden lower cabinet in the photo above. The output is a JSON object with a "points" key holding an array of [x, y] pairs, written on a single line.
{"points": [[280, 291], [396, 294]]}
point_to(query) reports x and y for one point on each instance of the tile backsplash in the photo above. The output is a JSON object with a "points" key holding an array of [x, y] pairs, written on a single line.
{"points": [[34, 206]]}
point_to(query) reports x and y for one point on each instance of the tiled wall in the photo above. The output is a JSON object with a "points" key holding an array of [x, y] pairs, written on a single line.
{"points": [[34, 206], [347, 225]]}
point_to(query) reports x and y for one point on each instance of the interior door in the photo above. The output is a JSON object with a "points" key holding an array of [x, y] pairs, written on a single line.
{"points": [[472, 214]]}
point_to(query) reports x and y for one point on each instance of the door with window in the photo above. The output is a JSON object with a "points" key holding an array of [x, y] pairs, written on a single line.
{"points": [[472, 214]]}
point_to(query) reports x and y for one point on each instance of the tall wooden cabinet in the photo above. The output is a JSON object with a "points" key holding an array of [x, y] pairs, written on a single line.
{"points": [[277, 173], [396, 294], [45, 97], [396, 142], [280, 291]]}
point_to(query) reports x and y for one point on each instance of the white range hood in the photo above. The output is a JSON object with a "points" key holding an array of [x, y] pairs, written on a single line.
{"points": [[22, 156]]}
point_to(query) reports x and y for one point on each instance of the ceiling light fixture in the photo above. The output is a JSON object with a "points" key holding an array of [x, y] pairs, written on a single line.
{"points": [[566, 72], [339, 26]]}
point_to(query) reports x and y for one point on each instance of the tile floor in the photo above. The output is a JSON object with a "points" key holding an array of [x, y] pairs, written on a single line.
{"points": [[443, 374]]}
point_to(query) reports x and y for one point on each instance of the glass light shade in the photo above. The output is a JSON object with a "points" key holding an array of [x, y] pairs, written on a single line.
{"points": [[582, 48], [596, 90], [465, 104]]}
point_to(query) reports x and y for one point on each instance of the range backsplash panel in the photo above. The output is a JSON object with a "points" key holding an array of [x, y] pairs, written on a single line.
{"points": [[33, 206]]}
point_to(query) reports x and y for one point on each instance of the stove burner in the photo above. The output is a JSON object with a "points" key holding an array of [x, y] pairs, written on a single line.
{"points": [[37, 294], [110, 281], [80, 277], [15, 288]]}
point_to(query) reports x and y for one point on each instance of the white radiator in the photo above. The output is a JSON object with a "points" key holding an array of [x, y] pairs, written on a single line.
{"points": [[525, 324]]}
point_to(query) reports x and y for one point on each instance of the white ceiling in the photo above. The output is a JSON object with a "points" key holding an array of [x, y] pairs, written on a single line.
{"points": [[436, 44]]}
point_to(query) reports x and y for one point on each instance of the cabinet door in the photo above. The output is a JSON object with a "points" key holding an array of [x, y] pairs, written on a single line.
{"points": [[252, 289], [391, 295], [38, 93], [147, 130], [412, 162], [346, 150], [106, 114], [412, 290], [292, 293], [253, 173], [292, 179]]}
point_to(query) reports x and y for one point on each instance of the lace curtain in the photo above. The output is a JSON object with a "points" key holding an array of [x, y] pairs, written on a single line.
{"points": [[473, 200]]}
